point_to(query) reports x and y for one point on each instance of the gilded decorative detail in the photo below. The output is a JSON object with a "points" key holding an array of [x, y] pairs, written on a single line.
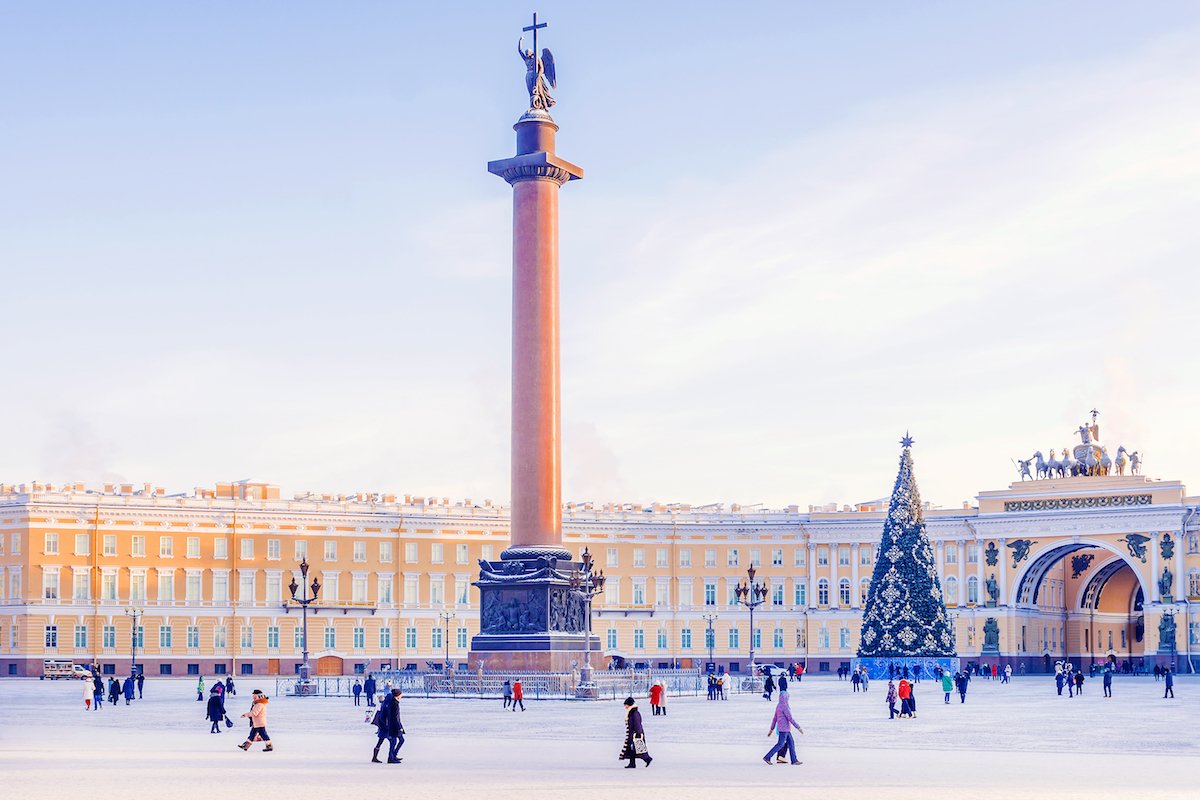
{"points": [[1057, 503]]}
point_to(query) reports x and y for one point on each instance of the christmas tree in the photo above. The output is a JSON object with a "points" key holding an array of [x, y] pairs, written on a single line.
{"points": [[905, 615]]}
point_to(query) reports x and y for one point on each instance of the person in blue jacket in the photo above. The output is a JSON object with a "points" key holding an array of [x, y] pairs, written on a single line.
{"points": [[369, 689], [127, 689], [1169, 680], [215, 710]]}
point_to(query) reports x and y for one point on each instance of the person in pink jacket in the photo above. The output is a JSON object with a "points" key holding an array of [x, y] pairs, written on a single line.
{"points": [[258, 722]]}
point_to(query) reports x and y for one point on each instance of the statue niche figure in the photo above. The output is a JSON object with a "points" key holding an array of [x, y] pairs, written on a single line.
{"points": [[991, 634], [993, 588], [1166, 632], [539, 76], [1165, 582]]}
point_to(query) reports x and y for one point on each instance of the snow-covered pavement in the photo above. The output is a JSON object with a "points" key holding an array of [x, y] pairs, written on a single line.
{"points": [[1015, 741]]}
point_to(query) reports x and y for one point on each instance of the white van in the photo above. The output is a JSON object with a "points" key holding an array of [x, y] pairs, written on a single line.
{"points": [[64, 669]]}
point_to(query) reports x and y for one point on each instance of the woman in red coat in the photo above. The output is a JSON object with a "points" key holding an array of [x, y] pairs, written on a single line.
{"points": [[518, 695], [655, 698]]}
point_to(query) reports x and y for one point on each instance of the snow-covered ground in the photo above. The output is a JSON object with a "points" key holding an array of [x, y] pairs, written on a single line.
{"points": [[1015, 741]]}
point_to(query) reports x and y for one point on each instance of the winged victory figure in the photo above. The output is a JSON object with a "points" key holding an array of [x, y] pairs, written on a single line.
{"points": [[539, 76]]}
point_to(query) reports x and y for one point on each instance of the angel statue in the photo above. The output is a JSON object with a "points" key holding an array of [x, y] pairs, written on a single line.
{"points": [[539, 76]]}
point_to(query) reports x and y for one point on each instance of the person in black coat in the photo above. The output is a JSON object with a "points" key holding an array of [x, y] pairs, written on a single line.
{"points": [[357, 690], [215, 710], [369, 689], [229, 690], [635, 736], [387, 721], [768, 687], [141, 680], [114, 691]]}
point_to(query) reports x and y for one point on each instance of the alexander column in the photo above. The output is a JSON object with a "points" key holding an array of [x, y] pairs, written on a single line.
{"points": [[529, 618]]}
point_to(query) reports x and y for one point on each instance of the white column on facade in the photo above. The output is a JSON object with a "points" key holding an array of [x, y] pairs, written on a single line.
{"points": [[1155, 569], [854, 598], [1002, 573], [812, 575], [978, 574], [1181, 587], [962, 572], [834, 600]]}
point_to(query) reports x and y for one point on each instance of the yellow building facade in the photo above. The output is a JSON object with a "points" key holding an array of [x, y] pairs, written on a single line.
{"points": [[1085, 568]]}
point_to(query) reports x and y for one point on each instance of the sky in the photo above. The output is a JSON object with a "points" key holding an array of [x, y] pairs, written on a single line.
{"points": [[260, 241]]}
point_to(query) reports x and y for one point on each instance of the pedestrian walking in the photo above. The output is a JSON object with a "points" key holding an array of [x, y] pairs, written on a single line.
{"points": [[387, 722], [1157, 673], [912, 700], [1079, 683], [1107, 679], [89, 692], [507, 693], [114, 691], [891, 700], [781, 726], [1169, 683], [127, 689], [866, 679], [961, 682], [258, 722], [635, 737], [662, 698], [97, 690], [768, 687], [357, 691], [215, 711], [1007, 673], [904, 692], [230, 691], [947, 685], [369, 689], [655, 698], [855, 680], [141, 681], [518, 695], [200, 689]]}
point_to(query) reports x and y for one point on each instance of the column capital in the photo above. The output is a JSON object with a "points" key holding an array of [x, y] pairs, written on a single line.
{"points": [[536, 166]]}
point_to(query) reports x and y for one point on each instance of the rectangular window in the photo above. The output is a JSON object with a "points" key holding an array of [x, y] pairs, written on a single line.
{"points": [[972, 554], [777, 594], [360, 552], [412, 592], [385, 591], [610, 639], [485, 552], [436, 641], [710, 594], [410, 552], [220, 588], [777, 557], [220, 548], [330, 589], [16, 544], [865, 554], [298, 638], [330, 550], [755, 557], [81, 637], [246, 588], [193, 547], [462, 591], [137, 546], [273, 550], [710, 557], [731, 559], [273, 637], [822, 556], [801, 594], [385, 552], [843, 556], [274, 588], [83, 544], [82, 589], [685, 639], [110, 544], [844, 638], [137, 586], [685, 558], [951, 554], [51, 544], [800, 557], [639, 556], [193, 637], [435, 553], [777, 639], [437, 592], [108, 586], [51, 637], [192, 585], [639, 639], [300, 548], [247, 549], [611, 557], [461, 555], [50, 583], [166, 586], [685, 594], [166, 547], [612, 592], [662, 639], [138, 635], [461, 639], [662, 593], [385, 638], [358, 589], [109, 637], [247, 637], [758, 638], [410, 638], [823, 638], [359, 640], [220, 637], [734, 639], [165, 634], [661, 557], [639, 593]]}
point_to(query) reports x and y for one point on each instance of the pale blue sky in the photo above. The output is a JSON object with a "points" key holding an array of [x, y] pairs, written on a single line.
{"points": [[259, 240]]}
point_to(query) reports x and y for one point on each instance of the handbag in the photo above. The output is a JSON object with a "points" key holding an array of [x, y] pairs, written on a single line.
{"points": [[639, 745], [228, 722]]}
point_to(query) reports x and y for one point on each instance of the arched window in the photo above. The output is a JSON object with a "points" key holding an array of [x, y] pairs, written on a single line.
{"points": [[864, 586], [972, 589], [952, 590], [823, 592], [844, 591]]}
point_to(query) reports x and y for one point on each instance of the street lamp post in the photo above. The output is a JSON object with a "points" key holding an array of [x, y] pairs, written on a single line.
{"points": [[585, 585], [304, 601], [135, 614], [446, 617], [710, 635], [751, 595]]}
